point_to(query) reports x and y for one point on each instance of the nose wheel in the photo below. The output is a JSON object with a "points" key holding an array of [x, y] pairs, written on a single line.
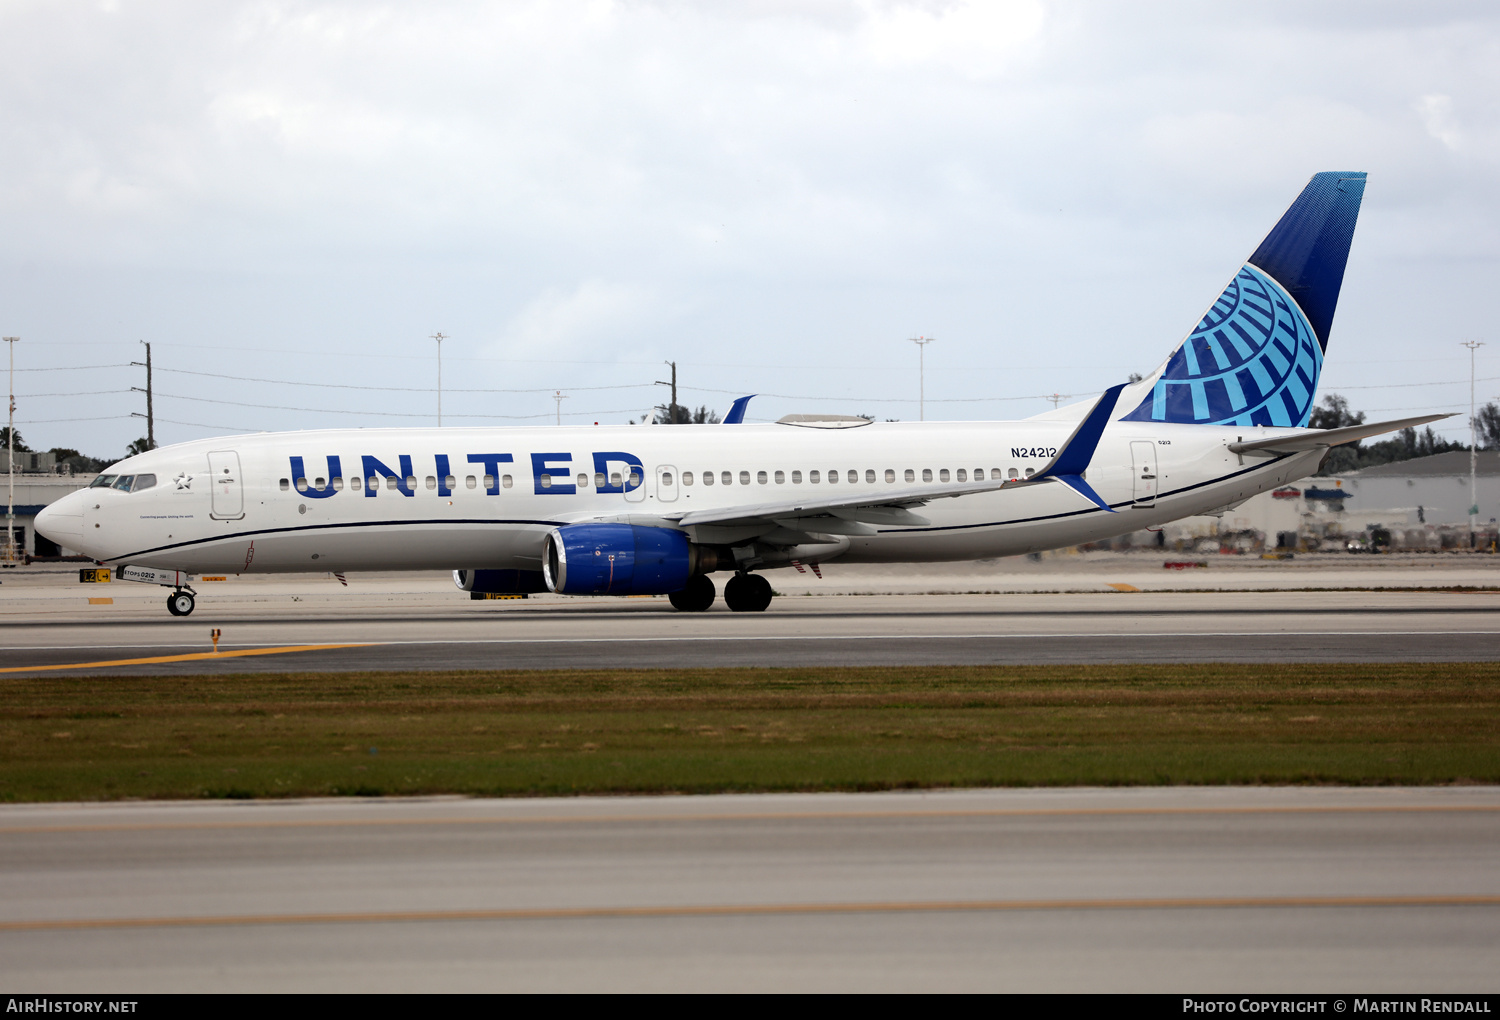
{"points": [[180, 603], [747, 593]]}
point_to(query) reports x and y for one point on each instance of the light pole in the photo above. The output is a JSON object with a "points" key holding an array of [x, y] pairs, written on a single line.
{"points": [[1472, 345], [922, 342], [439, 338], [10, 443], [559, 396]]}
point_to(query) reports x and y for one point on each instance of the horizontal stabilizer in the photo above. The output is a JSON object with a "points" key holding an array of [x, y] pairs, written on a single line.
{"points": [[1312, 440], [1084, 489]]}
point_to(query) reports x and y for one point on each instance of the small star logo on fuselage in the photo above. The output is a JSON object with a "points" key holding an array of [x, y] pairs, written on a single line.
{"points": [[184, 481]]}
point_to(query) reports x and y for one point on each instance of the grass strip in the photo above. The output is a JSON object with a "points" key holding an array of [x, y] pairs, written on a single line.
{"points": [[716, 730]]}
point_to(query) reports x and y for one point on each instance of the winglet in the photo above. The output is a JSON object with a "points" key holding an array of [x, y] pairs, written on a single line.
{"points": [[1073, 459], [736, 415]]}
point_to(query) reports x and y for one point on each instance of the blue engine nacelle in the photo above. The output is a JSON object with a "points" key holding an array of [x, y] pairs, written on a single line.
{"points": [[616, 559]]}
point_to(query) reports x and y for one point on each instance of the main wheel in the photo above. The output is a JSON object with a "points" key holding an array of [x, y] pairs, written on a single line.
{"points": [[180, 603], [747, 593], [696, 597]]}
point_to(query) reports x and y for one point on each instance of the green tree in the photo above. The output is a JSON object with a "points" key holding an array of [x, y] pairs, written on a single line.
{"points": [[1334, 414], [141, 445], [21, 446], [685, 416], [1487, 426]]}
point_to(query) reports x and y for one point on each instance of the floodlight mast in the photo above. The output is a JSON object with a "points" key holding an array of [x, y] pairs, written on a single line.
{"points": [[10, 444], [922, 342], [1472, 345], [439, 338]]}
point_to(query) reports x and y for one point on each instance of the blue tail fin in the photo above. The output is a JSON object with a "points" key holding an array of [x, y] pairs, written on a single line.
{"points": [[1255, 356]]}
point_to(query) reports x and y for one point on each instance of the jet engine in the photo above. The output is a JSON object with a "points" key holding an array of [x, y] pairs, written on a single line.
{"points": [[621, 559]]}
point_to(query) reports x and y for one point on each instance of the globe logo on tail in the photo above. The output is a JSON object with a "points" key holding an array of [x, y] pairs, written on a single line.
{"points": [[1252, 360]]}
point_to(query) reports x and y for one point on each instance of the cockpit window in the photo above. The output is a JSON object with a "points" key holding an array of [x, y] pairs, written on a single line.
{"points": [[143, 482], [123, 482], [103, 482]]}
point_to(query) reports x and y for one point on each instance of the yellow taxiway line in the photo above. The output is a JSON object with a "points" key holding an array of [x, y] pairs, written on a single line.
{"points": [[750, 909], [188, 657]]}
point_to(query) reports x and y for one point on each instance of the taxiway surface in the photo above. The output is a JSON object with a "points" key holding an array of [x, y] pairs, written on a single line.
{"points": [[1242, 889], [420, 622]]}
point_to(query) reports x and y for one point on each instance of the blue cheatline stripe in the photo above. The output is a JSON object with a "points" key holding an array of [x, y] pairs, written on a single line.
{"points": [[323, 527], [1077, 513]]}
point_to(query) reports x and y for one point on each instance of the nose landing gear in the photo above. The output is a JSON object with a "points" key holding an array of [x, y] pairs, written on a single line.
{"points": [[747, 593], [180, 602]]}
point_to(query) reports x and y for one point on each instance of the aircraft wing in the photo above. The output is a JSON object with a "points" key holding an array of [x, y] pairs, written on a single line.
{"points": [[1315, 438], [854, 513]]}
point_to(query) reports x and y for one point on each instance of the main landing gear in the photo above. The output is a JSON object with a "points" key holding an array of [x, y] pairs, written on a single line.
{"points": [[696, 597], [180, 602], [747, 593]]}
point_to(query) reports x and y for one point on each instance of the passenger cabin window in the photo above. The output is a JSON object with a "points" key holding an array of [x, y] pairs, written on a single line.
{"points": [[943, 475], [911, 476], [708, 478], [744, 478], [994, 474], [726, 477], [812, 477], [285, 484], [666, 478], [869, 476], [470, 482], [103, 482], [687, 478], [411, 483], [963, 476], [545, 481], [979, 474], [833, 477], [1012, 473], [338, 485], [598, 479], [449, 482], [796, 477], [431, 482], [506, 481], [635, 478], [301, 485], [781, 478], [890, 476], [927, 474], [489, 481], [760, 478], [1030, 472], [583, 480], [353, 484]]}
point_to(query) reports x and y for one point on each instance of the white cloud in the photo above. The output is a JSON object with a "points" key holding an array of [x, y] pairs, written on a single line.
{"points": [[1437, 116]]}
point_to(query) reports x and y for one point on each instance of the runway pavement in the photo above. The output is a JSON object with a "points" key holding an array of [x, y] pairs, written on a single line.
{"points": [[300, 624], [1243, 890]]}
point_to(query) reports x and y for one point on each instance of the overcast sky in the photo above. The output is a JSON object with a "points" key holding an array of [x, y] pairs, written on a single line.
{"points": [[774, 194]]}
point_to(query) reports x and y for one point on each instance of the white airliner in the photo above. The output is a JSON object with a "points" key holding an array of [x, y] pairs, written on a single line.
{"points": [[633, 510]]}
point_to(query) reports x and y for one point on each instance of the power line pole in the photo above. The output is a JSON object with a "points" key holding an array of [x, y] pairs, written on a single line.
{"points": [[559, 396], [922, 342], [150, 414], [672, 407], [439, 338], [1472, 345], [10, 506]]}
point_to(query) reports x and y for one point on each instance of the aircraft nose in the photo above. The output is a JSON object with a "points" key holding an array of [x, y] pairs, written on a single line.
{"points": [[62, 521]]}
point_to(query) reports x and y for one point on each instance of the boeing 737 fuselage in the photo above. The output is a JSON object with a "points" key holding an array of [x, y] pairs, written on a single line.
{"points": [[626, 510]]}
